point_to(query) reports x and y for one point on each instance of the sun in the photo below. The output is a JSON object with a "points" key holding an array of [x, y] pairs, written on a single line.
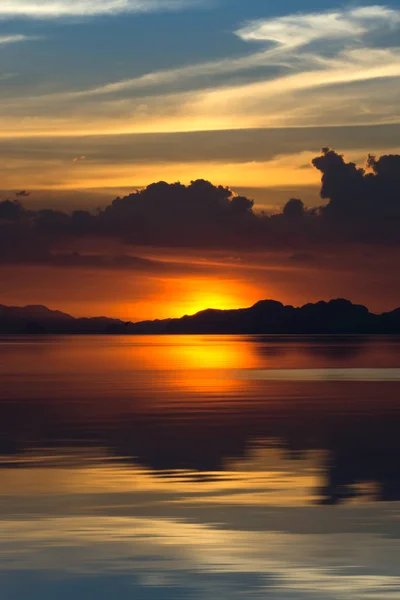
{"points": [[179, 296], [207, 299], [195, 295]]}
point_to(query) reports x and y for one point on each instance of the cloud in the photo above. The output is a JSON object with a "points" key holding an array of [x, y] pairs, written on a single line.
{"points": [[219, 147], [287, 34], [107, 261], [363, 203], [338, 67], [297, 30], [291, 96], [14, 38], [178, 215], [240, 159], [50, 9], [362, 206], [353, 95], [168, 76]]}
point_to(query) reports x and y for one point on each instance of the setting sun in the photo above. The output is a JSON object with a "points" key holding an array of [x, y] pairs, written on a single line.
{"points": [[189, 296]]}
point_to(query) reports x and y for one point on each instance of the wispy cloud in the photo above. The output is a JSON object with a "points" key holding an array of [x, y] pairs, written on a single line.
{"points": [[168, 76], [299, 30], [48, 9], [290, 37], [14, 38], [331, 67]]}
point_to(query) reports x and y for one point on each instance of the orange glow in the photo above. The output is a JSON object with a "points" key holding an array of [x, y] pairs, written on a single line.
{"points": [[88, 174], [126, 296], [187, 296], [201, 365]]}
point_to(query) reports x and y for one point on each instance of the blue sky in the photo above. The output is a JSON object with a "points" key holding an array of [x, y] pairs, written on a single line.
{"points": [[80, 78]]}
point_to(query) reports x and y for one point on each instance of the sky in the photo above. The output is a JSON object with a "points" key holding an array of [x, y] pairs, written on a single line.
{"points": [[100, 98]]}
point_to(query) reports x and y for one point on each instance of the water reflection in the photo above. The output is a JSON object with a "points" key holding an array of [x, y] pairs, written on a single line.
{"points": [[166, 468]]}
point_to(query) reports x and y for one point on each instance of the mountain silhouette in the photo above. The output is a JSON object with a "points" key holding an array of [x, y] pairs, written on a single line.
{"points": [[337, 316]]}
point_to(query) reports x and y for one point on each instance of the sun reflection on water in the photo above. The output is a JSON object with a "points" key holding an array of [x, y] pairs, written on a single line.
{"points": [[147, 468]]}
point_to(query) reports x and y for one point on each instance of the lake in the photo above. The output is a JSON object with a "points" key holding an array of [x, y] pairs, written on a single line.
{"points": [[204, 467]]}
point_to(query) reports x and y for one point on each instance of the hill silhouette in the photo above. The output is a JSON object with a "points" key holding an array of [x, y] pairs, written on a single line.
{"points": [[339, 316]]}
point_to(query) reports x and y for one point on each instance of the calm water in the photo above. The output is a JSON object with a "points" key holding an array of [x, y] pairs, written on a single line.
{"points": [[199, 467]]}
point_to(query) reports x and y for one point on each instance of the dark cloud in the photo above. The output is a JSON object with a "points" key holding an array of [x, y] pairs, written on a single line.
{"points": [[302, 257], [16, 249], [363, 205], [294, 210], [11, 210], [238, 145], [163, 214], [121, 261]]}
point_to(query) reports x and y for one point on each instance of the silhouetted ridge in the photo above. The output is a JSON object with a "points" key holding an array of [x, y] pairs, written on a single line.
{"points": [[32, 310], [338, 316], [268, 304], [34, 328]]}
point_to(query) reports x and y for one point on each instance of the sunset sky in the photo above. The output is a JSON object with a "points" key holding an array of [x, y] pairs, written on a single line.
{"points": [[99, 98]]}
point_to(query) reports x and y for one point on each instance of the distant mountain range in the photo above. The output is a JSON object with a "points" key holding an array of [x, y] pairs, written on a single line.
{"points": [[265, 317]]}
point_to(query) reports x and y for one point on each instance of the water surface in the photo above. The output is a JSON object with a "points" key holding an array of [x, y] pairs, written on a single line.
{"points": [[199, 467]]}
